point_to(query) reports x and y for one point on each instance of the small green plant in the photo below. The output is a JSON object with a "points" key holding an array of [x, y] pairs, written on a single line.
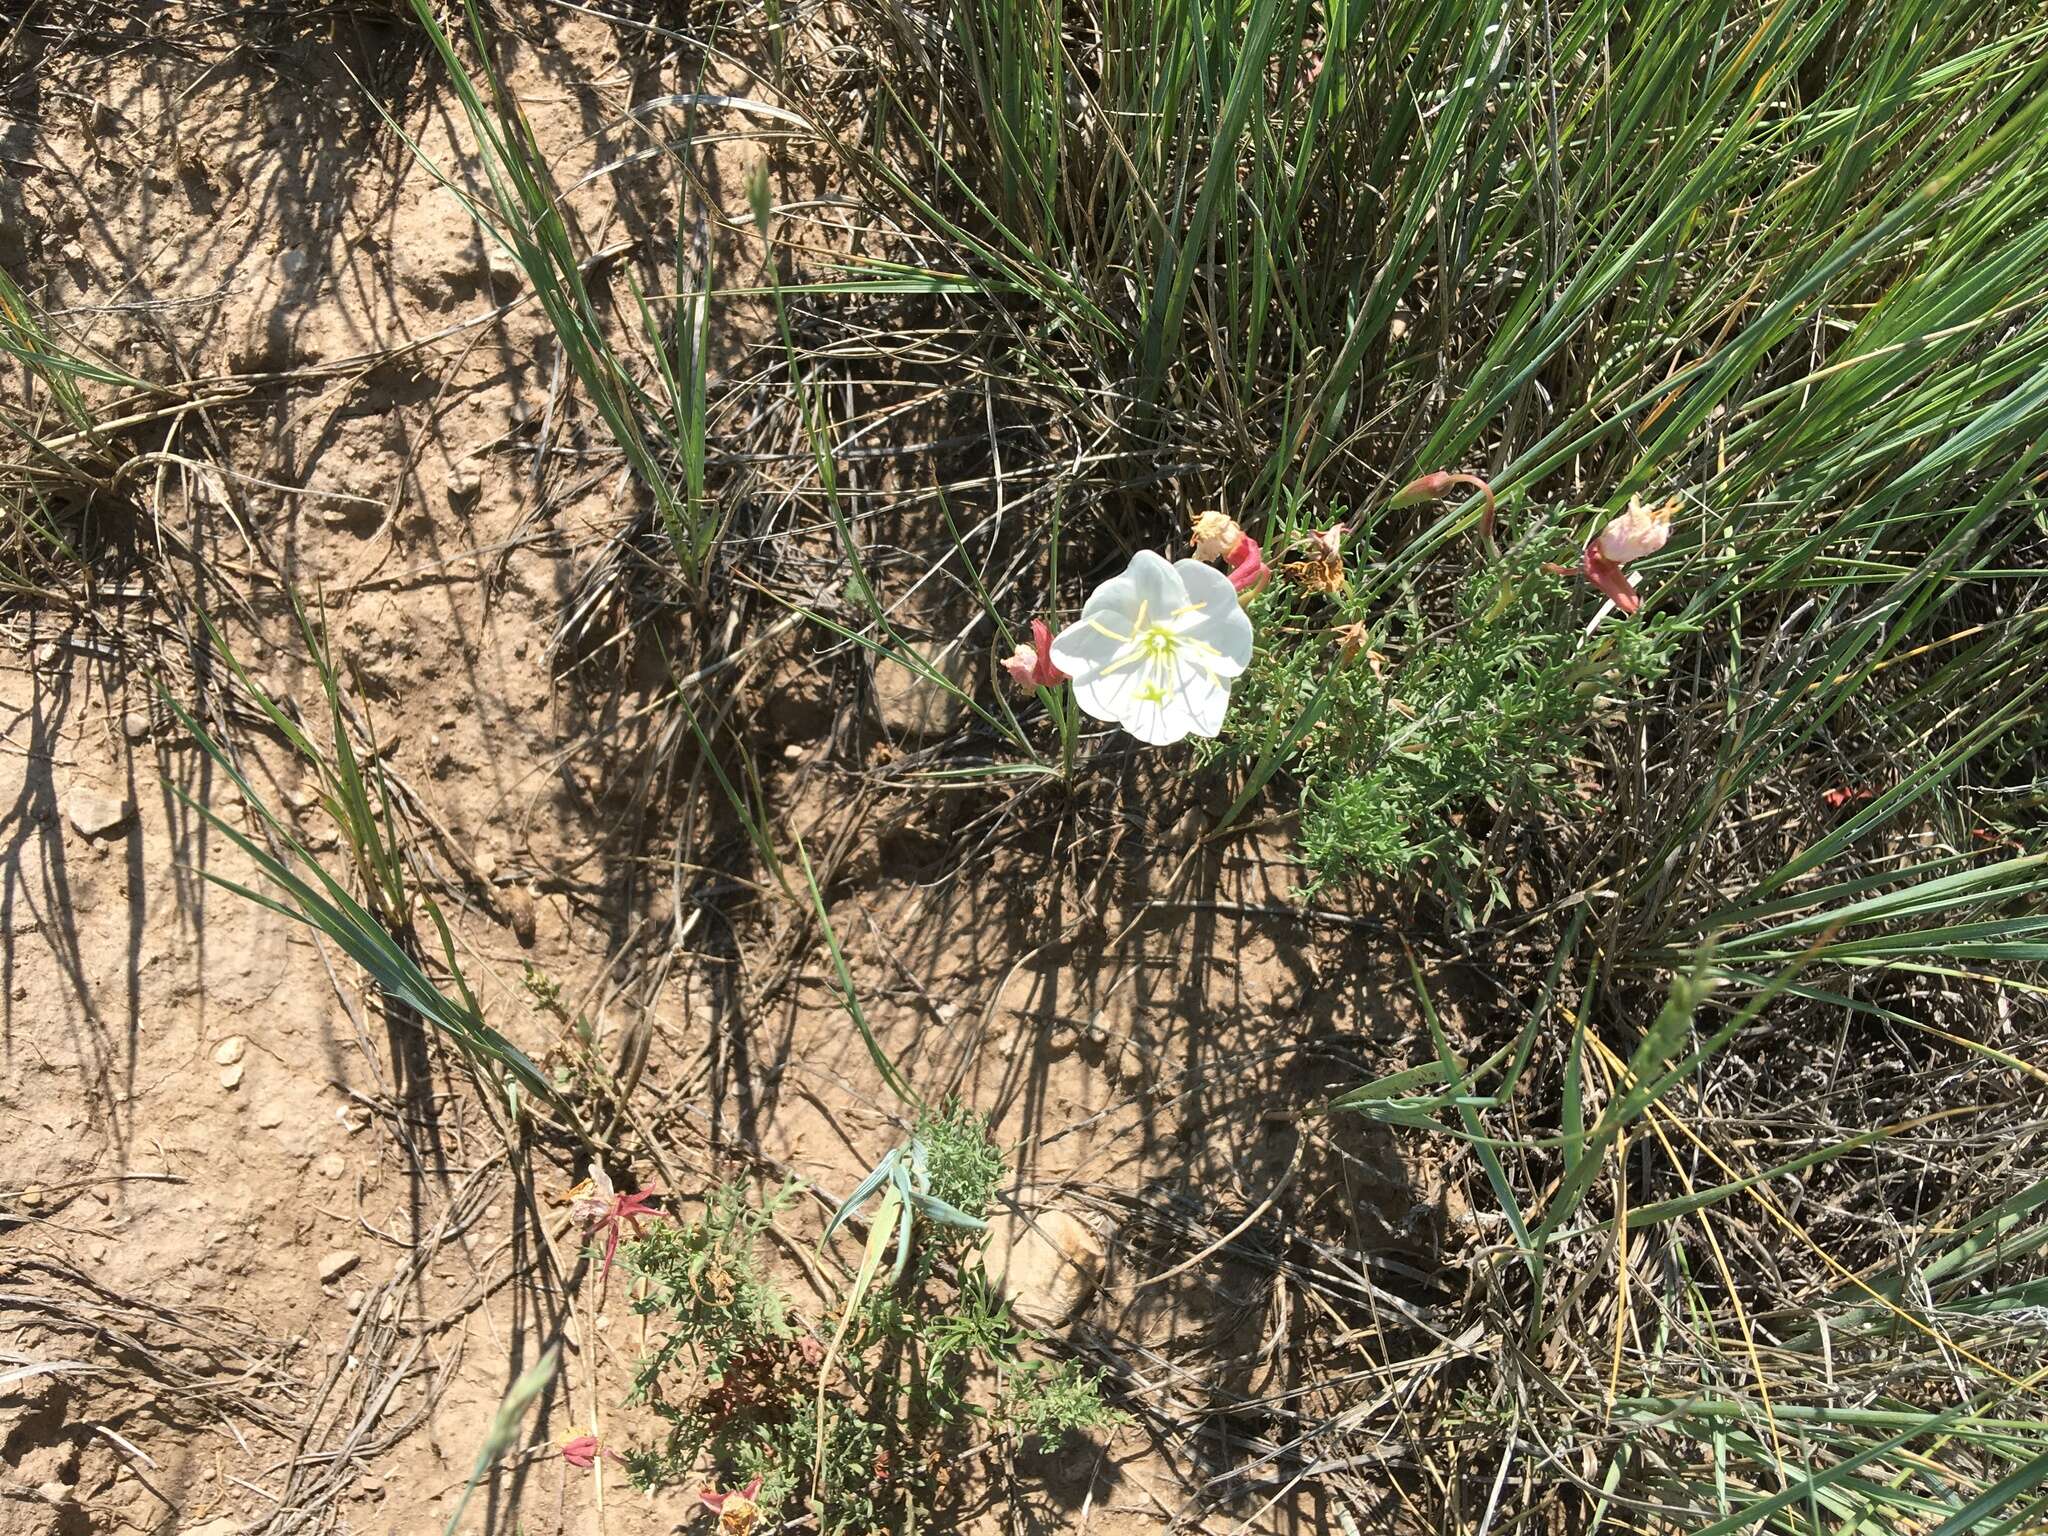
{"points": [[1432, 716], [861, 1416]]}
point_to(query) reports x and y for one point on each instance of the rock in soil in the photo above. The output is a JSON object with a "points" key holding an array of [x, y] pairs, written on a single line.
{"points": [[337, 1264], [229, 1051], [1048, 1264], [517, 903], [910, 702], [95, 814], [465, 485]]}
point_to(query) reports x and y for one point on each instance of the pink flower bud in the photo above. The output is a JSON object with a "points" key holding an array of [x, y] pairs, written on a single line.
{"points": [[1441, 483], [1031, 666], [1422, 488]]}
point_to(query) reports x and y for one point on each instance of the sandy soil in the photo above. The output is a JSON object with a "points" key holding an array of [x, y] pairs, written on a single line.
{"points": [[273, 1247]]}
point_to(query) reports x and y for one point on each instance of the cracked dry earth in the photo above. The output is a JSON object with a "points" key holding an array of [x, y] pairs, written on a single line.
{"points": [[264, 1262]]}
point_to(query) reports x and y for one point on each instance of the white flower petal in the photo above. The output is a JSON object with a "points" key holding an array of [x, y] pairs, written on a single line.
{"points": [[1158, 585], [1218, 619], [1159, 701], [1090, 643], [1205, 709], [1153, 707]]}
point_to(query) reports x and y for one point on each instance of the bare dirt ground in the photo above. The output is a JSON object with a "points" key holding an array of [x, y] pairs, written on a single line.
{"points": [[276, 1250]]}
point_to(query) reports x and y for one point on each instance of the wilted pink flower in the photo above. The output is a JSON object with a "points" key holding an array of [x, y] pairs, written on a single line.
{"points": [[584, 1450], [1637, 532], [1248, 568], [1031, 666], [737, 1511]]}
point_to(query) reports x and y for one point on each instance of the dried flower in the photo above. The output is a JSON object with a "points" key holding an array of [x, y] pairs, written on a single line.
{"points": [[1637, 532], [1031, 666], [1351, 639], [1156, 649], [736, 1511], [1219, 538], [1323, 570], [1216, 536]]}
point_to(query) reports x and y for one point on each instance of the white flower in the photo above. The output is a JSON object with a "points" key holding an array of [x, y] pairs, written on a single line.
{"points": [[1155, 649]]}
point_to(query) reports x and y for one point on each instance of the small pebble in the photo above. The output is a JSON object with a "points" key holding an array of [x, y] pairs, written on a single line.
{"points": [[231, 1079], [332, 1166], [271, 1115], [338, 1263], [465, 485], [32, 1197], [135, 725], [229, 1051], [355, 1299]]}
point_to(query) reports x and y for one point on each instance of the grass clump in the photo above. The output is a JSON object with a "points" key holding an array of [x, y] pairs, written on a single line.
{"points": [[866, 1430]]}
